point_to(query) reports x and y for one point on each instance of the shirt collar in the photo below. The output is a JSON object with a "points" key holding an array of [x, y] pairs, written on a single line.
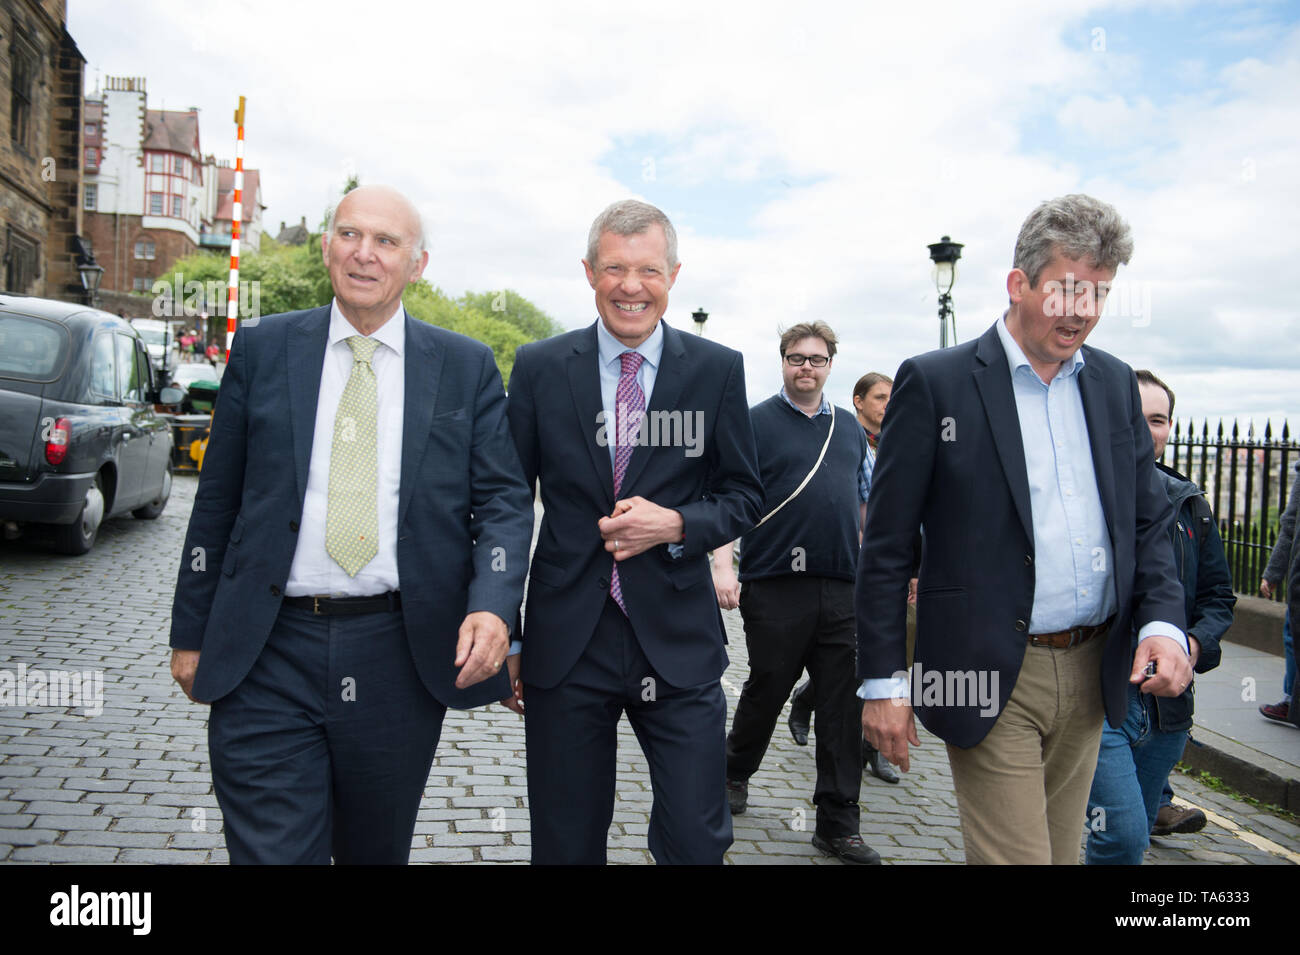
{"points": [[392, 333], [824, 409], [609, 347], [1016, 355]]}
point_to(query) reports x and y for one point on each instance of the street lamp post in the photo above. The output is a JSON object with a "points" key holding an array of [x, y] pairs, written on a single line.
{"points": [[700, 316], [91, 275], [945, 254]]}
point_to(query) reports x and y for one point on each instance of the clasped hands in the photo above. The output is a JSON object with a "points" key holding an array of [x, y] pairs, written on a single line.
{"points": [[637, 525]]}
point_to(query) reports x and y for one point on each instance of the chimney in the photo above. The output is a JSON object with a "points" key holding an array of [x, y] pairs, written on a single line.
{"points": [[281, 225]]}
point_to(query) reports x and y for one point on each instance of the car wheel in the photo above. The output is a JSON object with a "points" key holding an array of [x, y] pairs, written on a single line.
{"points": [[155, 507], [79, 536]]}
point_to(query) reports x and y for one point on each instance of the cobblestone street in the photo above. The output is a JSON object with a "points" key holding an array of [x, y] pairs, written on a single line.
{"points": [[131, 784]]}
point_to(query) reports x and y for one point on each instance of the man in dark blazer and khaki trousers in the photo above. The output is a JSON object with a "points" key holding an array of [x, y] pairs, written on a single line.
{"points": [[620, 615], [1026, 461], [355, 555]]}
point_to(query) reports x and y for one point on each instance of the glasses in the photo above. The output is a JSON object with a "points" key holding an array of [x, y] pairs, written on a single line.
{"points": [[817, 361]]}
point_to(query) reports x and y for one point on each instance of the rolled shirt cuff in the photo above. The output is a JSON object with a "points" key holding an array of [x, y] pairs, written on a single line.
{"points": [[516, 647], [885, 688], [1158, 628]]}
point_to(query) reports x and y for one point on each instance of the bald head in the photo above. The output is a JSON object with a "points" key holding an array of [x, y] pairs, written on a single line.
{"points": [[373, 249], [401, 205]]}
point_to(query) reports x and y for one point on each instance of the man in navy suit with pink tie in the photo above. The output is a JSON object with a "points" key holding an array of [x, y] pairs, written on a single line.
{"points": [[640, 437]]}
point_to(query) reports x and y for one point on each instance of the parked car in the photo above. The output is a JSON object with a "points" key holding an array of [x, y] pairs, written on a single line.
{"points": [[198, 381], [79, 439], [159, 343]]}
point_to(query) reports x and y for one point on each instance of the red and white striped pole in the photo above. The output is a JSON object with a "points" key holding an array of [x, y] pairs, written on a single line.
{"points": [[237, 214]]}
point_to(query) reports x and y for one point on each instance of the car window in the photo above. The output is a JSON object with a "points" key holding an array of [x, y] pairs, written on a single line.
{"points": [[30, 349], [128, 372], [103, 367]]}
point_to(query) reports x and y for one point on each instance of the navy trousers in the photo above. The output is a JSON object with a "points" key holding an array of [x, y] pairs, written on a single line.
{"points": [[324, 748], [572, 747]]}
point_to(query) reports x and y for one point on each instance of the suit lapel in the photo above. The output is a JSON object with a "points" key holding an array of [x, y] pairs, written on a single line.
{"points": [[423, 369], [669, 381], [993, 380], [304, 361], [1096, 412], [584, 385]]}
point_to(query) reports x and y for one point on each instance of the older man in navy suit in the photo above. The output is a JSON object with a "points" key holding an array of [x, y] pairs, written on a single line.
{"points": [[641, 439], [1025, 459], [355, 555]]}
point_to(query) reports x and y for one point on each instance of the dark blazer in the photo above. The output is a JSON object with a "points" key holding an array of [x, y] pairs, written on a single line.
{"points": [[464, 517], [970, 496], [554, 402]]}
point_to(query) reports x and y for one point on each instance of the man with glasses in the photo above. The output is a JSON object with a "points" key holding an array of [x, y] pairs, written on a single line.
{"points": [[796, 587]]}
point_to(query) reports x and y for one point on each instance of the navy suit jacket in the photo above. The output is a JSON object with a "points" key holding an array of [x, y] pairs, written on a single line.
{"points": [[465, 517], [970, 495], [554, 403]]}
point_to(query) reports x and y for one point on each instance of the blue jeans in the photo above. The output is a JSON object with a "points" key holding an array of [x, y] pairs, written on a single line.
{"points": [[1132, 766], [1288, 651]]}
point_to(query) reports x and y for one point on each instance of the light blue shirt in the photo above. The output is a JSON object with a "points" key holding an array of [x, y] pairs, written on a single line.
{"points": [[1074, 585], [609, 349]]}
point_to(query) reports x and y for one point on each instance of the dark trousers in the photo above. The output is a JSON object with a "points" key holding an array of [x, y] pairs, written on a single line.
{"points": [[793, 622], [802, 701], [572, 742], [324, 748]]}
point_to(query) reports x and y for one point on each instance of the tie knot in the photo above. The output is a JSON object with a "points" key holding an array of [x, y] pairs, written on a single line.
{"points": [[363, 349], [631, 361]]}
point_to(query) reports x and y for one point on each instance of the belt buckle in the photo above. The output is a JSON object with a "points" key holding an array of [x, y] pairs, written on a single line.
{"points": [[315, 605]]}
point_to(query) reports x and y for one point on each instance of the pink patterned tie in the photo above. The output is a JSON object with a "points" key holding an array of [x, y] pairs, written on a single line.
{"points": [[629, 407]]}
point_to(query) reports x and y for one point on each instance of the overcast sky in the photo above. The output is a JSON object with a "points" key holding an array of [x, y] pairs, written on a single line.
{"points": [[806, 155]]}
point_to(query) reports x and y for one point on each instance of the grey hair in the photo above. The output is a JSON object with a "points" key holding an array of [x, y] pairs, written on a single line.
{"points": [[1077, 226], [630, 217], [421, 242]]}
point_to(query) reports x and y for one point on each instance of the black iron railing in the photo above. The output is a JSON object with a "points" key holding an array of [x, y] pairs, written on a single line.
{"points": [[1246, 479]]}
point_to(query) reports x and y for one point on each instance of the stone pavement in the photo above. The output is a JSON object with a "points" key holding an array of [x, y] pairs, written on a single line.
{"points": [[131, 784]]}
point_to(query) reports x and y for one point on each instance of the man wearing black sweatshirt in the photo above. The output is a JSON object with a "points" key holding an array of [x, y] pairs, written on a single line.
{"points": [[796, 587]]}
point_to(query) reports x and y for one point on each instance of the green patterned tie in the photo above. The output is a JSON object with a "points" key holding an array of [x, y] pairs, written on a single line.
{"points": [[352, 515]]}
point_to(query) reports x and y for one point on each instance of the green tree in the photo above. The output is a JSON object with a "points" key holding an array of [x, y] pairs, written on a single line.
{"points": [[512, 307]]}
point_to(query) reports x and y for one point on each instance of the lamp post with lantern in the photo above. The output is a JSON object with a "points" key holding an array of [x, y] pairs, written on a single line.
{"points": [[945, 254]]}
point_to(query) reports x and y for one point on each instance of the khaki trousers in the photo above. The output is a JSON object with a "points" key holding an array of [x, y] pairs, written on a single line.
{"points": [[1022, 791]]}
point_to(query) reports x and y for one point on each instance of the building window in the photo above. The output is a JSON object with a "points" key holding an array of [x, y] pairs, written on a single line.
{"points": [[155, 162], [178, 207], [91, 129], [144, 249], [21, 259], [155, 204], [92, 197], [142, 284], [92, 157], [180, 165], [22, 88]]}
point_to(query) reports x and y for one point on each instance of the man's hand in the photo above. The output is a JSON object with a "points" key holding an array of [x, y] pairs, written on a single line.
{"points": [[889, 726], [1195, 646], [1173, 666], [911, 591], [516, 700], [1265, 588], [637, 525], [726, 587], [481, 649], [185, 663]]}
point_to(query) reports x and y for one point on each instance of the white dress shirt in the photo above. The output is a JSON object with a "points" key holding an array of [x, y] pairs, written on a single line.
{"points": [[314, 572]]}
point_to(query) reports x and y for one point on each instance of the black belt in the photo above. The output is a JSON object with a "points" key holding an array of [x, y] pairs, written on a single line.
{"points": [[326, 606]]}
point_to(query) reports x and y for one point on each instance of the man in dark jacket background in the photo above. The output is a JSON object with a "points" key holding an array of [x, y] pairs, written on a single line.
{"points": [[1136, 758]]}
